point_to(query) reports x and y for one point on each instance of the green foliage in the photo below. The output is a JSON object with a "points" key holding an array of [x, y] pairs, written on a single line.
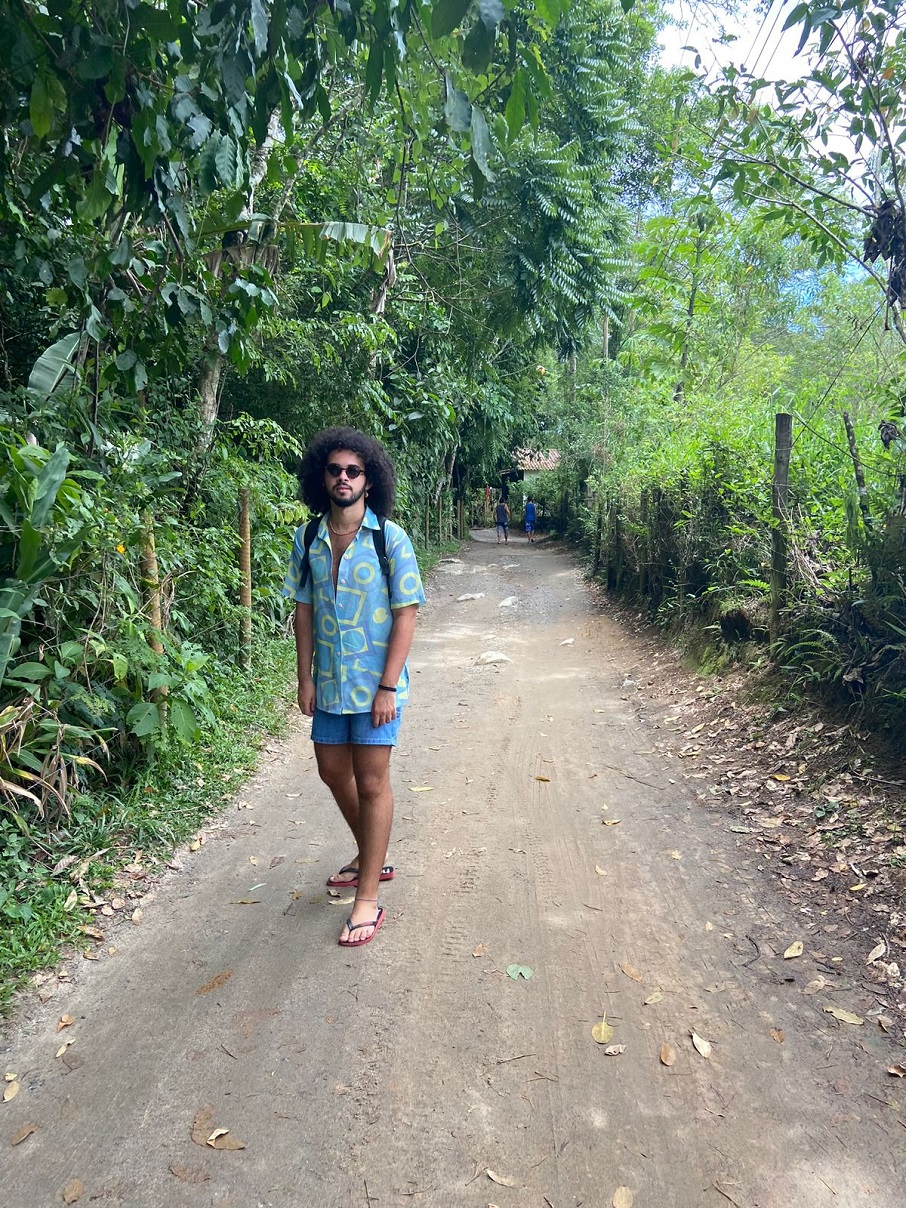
{"points": [[46, 876]]}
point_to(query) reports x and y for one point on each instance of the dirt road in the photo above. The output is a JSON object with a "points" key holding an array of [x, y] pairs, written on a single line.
{"points": [[537, 827]]}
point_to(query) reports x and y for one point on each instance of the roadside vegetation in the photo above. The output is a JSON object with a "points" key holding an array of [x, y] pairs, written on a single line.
{"points": [[467, 226]]}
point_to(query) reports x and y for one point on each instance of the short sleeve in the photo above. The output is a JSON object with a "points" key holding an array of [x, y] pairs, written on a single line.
{"points": [[293, 588], [405, 578]]}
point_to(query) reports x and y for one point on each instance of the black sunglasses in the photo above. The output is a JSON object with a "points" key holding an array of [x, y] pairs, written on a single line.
{"points": [[351, 472]]}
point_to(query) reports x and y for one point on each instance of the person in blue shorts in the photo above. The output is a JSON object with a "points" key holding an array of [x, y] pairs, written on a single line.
{"points": [[357, 588], [530, 517]]}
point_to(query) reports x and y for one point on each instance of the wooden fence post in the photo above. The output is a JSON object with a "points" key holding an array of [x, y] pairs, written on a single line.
{"points": [[780, 493], [151, 591], [245, 580], [642, 543]]}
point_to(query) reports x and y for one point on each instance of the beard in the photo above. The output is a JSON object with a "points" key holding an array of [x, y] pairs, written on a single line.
{"points": [[347, 501]]}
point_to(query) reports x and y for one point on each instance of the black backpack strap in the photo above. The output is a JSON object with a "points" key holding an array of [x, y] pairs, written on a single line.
{"points": [[311, 531], [379, 537]]}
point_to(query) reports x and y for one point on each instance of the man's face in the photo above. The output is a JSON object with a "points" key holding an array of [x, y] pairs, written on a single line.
{"points": [[343, 490]]}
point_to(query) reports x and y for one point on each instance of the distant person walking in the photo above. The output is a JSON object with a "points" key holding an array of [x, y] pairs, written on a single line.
{"points": [[530, 517], [502, 518], [357, 589]]}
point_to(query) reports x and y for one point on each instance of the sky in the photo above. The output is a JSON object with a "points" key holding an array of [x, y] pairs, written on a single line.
{"points": [[759, 43]]}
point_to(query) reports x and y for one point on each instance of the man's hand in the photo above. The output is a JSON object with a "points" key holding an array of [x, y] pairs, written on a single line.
{"points": [[383, 708], [307, 696]]}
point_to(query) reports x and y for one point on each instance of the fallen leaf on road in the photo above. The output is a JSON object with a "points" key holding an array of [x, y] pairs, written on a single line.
{"points": [[844, 1016], [276, 860], [517, 971], [856, 888], [600, 871], [222, 1138], [12, 1089], [614, 1050], [202, 1124], [502, 1179], [876, 952], [631, 971], [73, 1191], [795, 949], [567, 641], [898, 1071], [190, 1174], [66, 1021], [623, 1198], [702, 1046], [780, 776], [421, 788], [22, 1134], [62, 1049], [602, 1032], [195, 845], [814, 987], [136, 916], [709, 926], [677, 855], [546, 779], [778, 1035], [481, 950], [611, 821], [657, 996], [247, 902], [335, 901], [491, 656], [72, 1061], [667, 1054], [216, 982]]}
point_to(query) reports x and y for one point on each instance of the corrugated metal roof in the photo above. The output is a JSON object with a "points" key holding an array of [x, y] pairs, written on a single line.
{"points": [[531, 460]]}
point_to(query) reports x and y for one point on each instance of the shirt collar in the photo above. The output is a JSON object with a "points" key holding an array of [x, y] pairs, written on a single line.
{"points": [[370, 521]]}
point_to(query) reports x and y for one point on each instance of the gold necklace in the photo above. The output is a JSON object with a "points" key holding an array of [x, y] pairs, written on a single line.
{"points": [[344, 532]]}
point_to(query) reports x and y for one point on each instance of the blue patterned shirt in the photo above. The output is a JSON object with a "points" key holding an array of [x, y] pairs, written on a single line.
{"points": [[352, 628]]}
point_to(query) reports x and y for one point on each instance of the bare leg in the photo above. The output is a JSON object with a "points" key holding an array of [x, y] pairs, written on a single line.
{"points": [[335, 767], [372, 777]]}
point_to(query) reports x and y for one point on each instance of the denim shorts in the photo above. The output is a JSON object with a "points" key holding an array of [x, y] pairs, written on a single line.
{"points": [[336, 729]]}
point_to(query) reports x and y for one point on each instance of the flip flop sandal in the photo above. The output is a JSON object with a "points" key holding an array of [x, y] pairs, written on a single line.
{"points": [[387, 874], [351, 926]]}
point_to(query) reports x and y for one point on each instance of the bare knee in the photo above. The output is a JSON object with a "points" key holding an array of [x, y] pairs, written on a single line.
{"points": [[372, 785], [336, 774]]}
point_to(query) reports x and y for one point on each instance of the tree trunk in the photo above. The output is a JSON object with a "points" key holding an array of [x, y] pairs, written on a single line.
{"points": [[211, 379], [690, 310], [859, 472]]}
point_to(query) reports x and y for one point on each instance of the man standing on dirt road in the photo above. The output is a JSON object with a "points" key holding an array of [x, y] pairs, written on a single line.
{"points": [[502, 518], [357, 588]]}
